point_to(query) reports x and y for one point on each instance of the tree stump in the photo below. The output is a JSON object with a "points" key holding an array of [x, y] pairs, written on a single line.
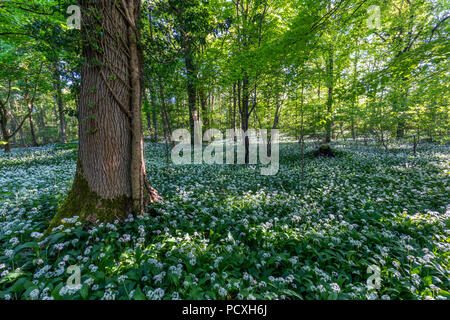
{"points": [[324, 151]]}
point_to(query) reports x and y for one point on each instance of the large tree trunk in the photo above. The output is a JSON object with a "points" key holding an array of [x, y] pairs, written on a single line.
{"points": [[110, 181]]}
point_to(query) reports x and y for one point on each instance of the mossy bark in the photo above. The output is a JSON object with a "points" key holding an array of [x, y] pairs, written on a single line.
{"points": [[89, 206]]}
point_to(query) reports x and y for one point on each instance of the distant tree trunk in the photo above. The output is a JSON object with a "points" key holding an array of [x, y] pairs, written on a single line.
{"points": [[204, 105], [165, 112], [239, 101], [329, 123], [110, 180], [5, 133], [18, 126], [29, 100], [415, 145], [155, 124], [210, 106], [13, 128], [354, 99], [147, 113], [42, 126], [275, 123], [32, 131], [149, 124], [401, 126], [59, 102], [245, 114], [4, 116], [194, 114], [154, 136], [341, 127], [302, 129], [165, 119], [234, 111]]}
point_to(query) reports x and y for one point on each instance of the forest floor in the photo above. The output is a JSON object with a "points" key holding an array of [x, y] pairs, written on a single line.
{"points": [[227, 232]]}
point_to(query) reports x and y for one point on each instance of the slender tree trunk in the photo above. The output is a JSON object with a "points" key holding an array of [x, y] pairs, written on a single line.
{"points": [[155, 124], [239, 102], [16, 108], [165, 120], [234, 111], [355, 97], [245, 114], [32, 130], [154, 113], [194, 115], [165, 113], [204, 105], [302, 129], [152, 120], [275, 123], [147, 112], [42, 126], [149, 124], [401, 126], [59, 102], [329, 123], [110, 181]]}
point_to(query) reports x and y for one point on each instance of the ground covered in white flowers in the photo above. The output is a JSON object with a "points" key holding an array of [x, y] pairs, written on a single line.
{"points": [[226, 232]]}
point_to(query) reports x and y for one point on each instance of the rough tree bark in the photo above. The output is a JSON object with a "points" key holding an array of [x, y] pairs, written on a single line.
{"points": [[110, 181]]}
